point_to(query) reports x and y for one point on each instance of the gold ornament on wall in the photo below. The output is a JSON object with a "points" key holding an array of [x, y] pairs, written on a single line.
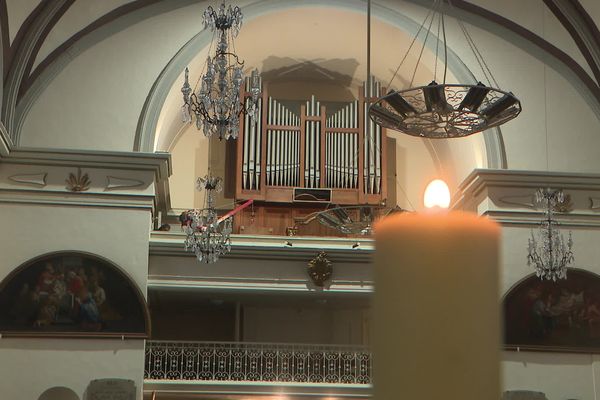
{"points": [[565, 205], [79, 183], [320, 269]]}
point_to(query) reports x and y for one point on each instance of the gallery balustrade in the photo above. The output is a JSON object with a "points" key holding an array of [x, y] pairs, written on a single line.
{"points": [[258, 362]]}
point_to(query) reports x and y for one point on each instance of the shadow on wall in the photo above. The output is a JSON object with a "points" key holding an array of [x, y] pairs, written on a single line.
{"points": [[110, 388], [59, 393], [328, 80], [523, 395]]}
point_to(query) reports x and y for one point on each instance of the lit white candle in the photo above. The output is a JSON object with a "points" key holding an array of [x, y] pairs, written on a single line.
{"points": [[436, 308]]}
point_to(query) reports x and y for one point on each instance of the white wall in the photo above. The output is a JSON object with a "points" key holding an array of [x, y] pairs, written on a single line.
{"points": [[315, 325], [559, 375], [30, 366], [190, 161], [99, 95]]}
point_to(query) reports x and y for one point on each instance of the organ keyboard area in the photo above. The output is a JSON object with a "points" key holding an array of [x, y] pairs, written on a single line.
{"points": [[305, 155]]}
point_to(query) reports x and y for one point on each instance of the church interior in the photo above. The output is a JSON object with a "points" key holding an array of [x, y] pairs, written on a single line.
{"points": [[199, 199]]}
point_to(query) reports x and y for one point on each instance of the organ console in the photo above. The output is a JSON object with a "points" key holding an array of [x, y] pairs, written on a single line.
{"points": [[305, 156]]}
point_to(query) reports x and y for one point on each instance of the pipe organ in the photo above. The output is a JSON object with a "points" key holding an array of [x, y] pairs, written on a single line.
{"points": [[288, 153]]}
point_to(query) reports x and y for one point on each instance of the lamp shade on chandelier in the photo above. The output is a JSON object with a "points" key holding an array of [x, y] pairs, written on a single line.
{"points": [[216, 104]]}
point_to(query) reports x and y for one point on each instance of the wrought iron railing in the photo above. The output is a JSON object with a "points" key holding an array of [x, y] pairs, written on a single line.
{"points": [[257, 362]]}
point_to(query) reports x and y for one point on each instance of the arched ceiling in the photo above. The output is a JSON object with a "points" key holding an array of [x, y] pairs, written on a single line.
{"points": [[96, 64], [327, 59]]}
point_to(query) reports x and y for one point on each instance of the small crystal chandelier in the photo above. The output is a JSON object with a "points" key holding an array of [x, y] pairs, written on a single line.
{"points": [[216, 105], [443, 110], [208, 236], [550, 254]]}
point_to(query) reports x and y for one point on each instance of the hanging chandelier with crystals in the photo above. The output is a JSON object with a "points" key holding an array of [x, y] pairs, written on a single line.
{"points": [[442, 110], [207, 235], [549, 253], [216, 105]]}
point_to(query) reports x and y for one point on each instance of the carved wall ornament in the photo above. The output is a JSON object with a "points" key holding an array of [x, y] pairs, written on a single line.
{"points": [[320, 269], [79, 183], [528, 201], [564, 206], [595, 203], [521, 201], [113, 183], [30, 179]]}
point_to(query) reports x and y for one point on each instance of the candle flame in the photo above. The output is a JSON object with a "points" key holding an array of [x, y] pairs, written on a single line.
{"points": [[437, 194]]}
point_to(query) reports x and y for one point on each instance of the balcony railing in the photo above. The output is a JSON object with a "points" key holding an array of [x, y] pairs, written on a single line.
{"points": [[257, 362]]}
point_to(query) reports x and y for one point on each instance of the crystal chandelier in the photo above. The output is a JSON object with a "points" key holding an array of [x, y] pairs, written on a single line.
{"points": [[207, 235], [216, 105], [442, 110], [550, 254]]}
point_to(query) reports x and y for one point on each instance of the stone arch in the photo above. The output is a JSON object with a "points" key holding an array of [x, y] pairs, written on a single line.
{"points": [[147, 123], [58, 393]]}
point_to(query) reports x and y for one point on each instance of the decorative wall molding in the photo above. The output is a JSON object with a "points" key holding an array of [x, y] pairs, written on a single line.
{"points": [[114, 183], [62, 198], [216, 389], [152, 169], [521, 201], [30, 179], [79, 182], [508, 196], [250, 284], [260, 247], [482, 178]]}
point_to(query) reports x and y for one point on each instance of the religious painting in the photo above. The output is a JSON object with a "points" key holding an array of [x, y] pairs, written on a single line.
{"points": [[71, 295], [554, 316]]}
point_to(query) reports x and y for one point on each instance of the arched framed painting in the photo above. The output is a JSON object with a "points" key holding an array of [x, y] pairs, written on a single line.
{"points": [[554, 316], [72, 294]]}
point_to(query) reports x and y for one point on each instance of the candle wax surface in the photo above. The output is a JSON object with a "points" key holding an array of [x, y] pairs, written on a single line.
{"points": [[436, 313]]}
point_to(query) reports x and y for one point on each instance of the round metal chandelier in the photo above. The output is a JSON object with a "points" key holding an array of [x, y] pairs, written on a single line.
{"points": [[216, 104], [443, 110]]}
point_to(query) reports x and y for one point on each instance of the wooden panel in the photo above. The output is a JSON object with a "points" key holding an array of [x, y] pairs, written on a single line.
{"points": [[275, 219]]}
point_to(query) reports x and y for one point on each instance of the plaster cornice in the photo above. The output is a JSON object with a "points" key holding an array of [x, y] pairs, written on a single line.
{"points": [[482, 178], [508, 196], [53, 198], [160, 163]]}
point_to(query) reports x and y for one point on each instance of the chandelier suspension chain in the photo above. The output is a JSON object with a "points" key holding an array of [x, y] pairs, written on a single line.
{"points": [[442, 110], [478, 56], [487, 73], [423, 47], [445, 49], [409, 48], [437, 45]]}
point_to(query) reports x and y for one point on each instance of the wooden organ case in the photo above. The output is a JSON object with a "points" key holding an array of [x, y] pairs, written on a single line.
{"points": [[293, 163]]}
